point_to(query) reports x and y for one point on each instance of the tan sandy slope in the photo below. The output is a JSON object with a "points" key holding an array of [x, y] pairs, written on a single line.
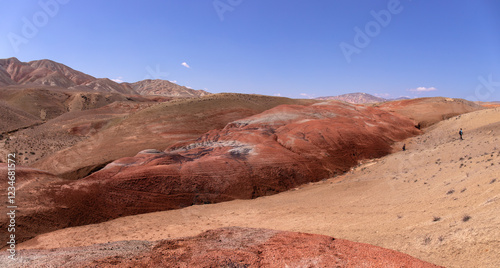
{"points": [[428, 111], [438, 201]]}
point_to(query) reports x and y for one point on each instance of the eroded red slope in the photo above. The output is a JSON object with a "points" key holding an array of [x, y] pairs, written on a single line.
{"points": [[268, 153]]}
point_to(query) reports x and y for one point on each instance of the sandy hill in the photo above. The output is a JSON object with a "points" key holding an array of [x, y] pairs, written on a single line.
{"points": [[26, 106], [164, 88], [40, 140], [358, 98], [47, 102], [428, 111], [14, 118], [29, 116], [492, 104], [34, 119], [437, 201]]}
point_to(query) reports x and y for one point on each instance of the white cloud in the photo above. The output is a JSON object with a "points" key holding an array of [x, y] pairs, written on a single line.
{"points": [[185, 65], [277, 94], [173, 81], [382, 95], [118, 80], [423, 89], [307, 95]]}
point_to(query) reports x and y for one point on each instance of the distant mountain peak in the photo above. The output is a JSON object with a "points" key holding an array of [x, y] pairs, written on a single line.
{"points": [[165, 88], [358, 98], [14, 59]]}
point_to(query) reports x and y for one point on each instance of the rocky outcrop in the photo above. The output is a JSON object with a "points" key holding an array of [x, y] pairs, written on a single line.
{"points": [[225, 247]]}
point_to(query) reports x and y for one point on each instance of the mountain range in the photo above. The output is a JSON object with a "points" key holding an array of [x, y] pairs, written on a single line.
{"points": [[46, 72], [359, 98], [50, 73]]}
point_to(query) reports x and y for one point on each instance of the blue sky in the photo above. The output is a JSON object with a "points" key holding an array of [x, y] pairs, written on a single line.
{"points": [[290, 48]]}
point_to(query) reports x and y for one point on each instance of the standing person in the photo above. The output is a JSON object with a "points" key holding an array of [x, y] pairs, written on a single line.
{"points": [[404, 147], [461, 133]]}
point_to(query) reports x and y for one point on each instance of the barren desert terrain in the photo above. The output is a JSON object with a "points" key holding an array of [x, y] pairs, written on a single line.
{"points": [[156, 174], [250, 134], [437, 201]]}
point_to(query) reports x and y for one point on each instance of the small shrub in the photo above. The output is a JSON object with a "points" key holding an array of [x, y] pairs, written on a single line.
{"points": [[466, 218], [436, 218], [427, 240], [450, 191]]}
